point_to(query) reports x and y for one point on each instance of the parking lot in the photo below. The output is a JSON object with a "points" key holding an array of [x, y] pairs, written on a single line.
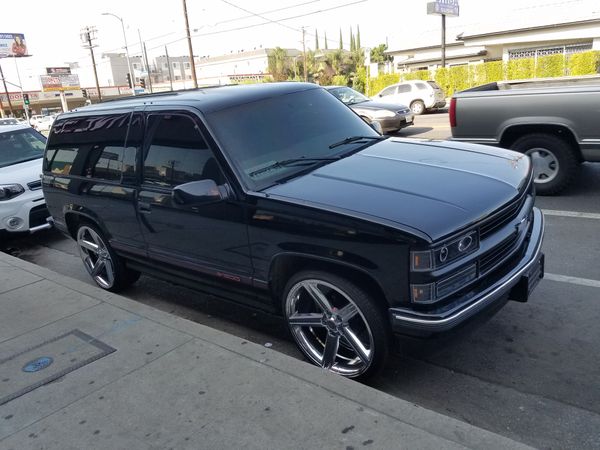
{"points": [[530, 373]]}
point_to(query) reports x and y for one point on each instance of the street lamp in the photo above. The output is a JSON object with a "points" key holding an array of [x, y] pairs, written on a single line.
{"points": [[126, 49]]}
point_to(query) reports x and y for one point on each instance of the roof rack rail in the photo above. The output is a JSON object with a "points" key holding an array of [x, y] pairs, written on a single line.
{"points": [[165, 93]]}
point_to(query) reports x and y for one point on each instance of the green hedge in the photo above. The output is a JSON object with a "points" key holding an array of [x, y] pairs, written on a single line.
{"points": [[457, 78]]}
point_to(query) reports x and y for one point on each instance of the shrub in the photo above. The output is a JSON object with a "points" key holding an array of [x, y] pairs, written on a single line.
{"points": [[586, 63], [339, 80], [378, 83], [418, 75], [518, 69], [550, 66]]}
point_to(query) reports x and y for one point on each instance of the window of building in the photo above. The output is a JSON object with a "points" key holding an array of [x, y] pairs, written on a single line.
{"points": [[177, 153], [566, 50], [175, 65], [136, 66], [187, 65], [165, 66], [177, 77]]}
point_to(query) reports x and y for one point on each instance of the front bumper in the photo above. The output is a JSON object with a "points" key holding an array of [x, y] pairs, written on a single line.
{"points": [[25, 212], [526, 272], [395, 123]]}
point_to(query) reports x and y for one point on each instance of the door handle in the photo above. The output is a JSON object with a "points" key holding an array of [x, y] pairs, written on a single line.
{"points": [[144, 208]]}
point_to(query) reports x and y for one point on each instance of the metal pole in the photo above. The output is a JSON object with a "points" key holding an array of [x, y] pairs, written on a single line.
{"points": [[6, 90], [189, 39], [63, 101], [443, 40], [127, 55], [89, 39], [169, 66], [148, 69], [25, 107]]}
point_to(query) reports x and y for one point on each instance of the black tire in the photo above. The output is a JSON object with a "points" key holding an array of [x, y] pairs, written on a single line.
{"points": [[368, 324], [554, 159], [113, 273], [418, 107]]}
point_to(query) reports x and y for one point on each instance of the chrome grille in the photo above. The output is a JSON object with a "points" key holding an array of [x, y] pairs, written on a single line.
{"points": [[35, 185], [502, 217], [498, 254]]}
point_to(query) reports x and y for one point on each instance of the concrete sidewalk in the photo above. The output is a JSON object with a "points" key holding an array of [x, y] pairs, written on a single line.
{"points": [[81, 368]]}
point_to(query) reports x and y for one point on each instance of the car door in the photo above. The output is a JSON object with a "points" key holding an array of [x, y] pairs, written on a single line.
{"points": [[209, 239], [387, 95]]}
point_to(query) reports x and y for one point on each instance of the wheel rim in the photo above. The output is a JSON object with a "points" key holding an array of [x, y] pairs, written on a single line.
{"points": [[95, 257], [329, 327], [417, 108], [545, 164]]}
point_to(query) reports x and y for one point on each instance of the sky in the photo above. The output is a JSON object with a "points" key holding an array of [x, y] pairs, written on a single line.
{"points": [[52, 29]]}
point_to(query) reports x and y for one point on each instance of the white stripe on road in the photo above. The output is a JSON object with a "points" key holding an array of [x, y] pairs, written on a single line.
{"points": [[572, 280], [581, 215]]}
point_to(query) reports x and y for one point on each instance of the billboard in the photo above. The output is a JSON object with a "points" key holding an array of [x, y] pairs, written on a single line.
{"points": [[58, 70], [59, 82], [445, 7], [12, 44]]}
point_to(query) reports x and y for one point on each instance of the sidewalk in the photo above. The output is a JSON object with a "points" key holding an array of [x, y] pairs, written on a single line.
{"points": [[81, 368]]}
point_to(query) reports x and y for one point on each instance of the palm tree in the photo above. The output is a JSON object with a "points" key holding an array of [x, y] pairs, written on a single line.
{"points": [[278, 64]]}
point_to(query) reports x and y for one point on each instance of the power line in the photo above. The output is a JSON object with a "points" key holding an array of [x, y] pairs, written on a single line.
{"points": [[267, 12]]}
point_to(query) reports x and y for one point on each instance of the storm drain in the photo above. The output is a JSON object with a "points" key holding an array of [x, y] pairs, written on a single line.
{"points": [[27, 370]]}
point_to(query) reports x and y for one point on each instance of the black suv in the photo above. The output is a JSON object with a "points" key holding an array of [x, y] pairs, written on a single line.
{"points": [[280, 197]]}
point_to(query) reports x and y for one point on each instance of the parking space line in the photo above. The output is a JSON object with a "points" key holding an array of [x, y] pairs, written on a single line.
{"points": [[581, 215], [572, 280]]}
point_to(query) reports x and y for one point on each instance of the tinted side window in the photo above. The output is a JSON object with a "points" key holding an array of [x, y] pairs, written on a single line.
{"points": [[404, 88], [388, 91], [421, 86], [177, 152], [90, 146]]}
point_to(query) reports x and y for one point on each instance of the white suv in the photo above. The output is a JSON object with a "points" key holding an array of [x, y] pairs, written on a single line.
{"points": [[22, 204], [421, 96]]}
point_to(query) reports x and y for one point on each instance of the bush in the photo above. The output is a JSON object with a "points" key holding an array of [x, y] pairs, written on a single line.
{"points": [[360, 79], [418, 75], [519, 69], [382, 81], [550, 66], [586, 63], [339, 80]]}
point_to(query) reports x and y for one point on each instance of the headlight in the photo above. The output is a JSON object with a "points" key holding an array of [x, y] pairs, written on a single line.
{"points": [[444, 253], [10, 190], [382, 114]]}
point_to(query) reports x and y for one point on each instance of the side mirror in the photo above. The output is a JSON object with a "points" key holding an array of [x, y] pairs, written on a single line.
{"points": [[199, 193]]}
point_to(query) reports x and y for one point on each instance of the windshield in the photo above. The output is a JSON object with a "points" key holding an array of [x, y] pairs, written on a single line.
{"points": [[298, 125], [348, 96], [20, 145]]}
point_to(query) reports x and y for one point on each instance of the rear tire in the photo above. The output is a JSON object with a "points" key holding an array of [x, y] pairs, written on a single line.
{"points": [[336, 324], [555, 163], [102, 263], [418, 107]]}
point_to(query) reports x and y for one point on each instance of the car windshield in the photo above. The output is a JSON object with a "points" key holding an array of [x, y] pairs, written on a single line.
{"points": [[20, 145], [348, 96], [258, 135]]}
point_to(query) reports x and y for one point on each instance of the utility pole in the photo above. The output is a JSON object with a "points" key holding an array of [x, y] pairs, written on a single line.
{"points": [[189, 39], [87, 35], [148, 70], [169, 66], [443, 40], [6, 90], [145, 59], [304, 52], [25, 107]]}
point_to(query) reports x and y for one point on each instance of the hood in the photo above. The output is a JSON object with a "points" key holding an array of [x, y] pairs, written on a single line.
{"points": [[374, 105], [22, 173], [435, 187]]}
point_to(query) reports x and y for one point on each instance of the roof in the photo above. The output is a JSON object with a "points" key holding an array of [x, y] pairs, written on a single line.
{"points": [[530, 28], [8, 128], [207, 100]]}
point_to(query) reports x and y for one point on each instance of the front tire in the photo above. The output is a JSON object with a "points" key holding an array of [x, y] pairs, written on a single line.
{"points": [[554, 161], [336, 325], [417, 107], [102, 263]]}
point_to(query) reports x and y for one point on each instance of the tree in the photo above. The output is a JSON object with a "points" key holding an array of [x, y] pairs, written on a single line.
{"points": [[326, 48], [378, 54], [351, 40], [358, 37], [316, 39], [341, 41], [278, 64]]}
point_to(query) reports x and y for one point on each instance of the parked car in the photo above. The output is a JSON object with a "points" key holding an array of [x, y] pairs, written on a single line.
{"points": [[33, 119], [9, 121], [22, 206], [391, 117], [279, 196], [44, 124], [421, 96], [555, 122]]}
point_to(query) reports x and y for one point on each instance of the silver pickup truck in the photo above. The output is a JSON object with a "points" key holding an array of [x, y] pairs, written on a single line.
{"points": [[555, 122]]}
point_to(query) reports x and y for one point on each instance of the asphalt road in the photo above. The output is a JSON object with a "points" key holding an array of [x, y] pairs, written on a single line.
{"points": [[532, 372]]}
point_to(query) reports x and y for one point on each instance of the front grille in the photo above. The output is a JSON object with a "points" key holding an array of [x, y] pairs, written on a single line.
{"points": [[35, 185], [498, 254], [38, 216], [502, 217]]}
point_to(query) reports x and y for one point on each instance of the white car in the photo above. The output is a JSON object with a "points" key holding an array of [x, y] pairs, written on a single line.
{"points": [[44, 124], [420, 96], [22, 204]]}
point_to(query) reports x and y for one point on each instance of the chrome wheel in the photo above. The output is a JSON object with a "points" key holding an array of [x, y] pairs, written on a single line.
{"points": [[96, 257], [545, 164], [329, 327]]}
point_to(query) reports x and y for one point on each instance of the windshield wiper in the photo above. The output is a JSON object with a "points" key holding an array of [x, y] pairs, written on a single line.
{"points": [[353, 139], [290, 162]]}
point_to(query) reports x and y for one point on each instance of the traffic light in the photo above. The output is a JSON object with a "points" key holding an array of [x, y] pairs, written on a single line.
{"points": [[26, 99], [143, 83], [129, 80], [84, 92]]}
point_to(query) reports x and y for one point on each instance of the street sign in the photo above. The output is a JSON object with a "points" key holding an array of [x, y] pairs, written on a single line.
{"points": [[443, 7]]}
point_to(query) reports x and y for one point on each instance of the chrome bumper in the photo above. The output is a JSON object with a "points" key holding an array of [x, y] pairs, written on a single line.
{"points": [[404, 319]]}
